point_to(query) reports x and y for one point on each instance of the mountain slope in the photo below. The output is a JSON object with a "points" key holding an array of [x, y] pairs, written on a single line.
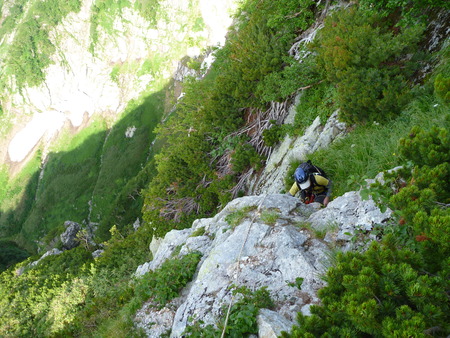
{"points": [[218, 136], [111, 68]]}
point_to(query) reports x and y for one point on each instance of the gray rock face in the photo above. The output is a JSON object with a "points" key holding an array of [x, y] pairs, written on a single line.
{"points": [[69, 237], [317, 136], [254, 253], [153, 321], [171, 241], [48, 253], [257, 241], [345, 216], [270, 324]]}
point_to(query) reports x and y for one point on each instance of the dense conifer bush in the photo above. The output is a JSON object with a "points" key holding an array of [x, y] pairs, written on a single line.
{"points": [[411, 10], [369, 64]]}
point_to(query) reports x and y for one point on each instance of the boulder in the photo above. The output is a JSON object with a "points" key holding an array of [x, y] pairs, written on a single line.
{"points": [[347, 215], [137, 224], [69, 238], [270, 324]]}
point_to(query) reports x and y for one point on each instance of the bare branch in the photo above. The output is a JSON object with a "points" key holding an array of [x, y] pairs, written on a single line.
{"points": [[314, 84], [241, 183], [174, 209]]}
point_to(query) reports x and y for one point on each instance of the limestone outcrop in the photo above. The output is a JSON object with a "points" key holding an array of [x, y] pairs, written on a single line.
{"points": [[69, 238], [255, 241], [316, 136], [268, 240]]}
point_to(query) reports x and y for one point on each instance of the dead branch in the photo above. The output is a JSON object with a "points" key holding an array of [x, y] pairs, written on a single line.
{"points": [[241, 183], [176, 208], [312, 85]]}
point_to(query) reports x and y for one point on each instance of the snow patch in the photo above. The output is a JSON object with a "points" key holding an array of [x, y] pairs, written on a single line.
{"points": [[216, 15], [47, 123]]}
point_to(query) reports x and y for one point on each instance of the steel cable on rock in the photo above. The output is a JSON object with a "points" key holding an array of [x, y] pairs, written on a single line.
{"points": [[257, 213]]}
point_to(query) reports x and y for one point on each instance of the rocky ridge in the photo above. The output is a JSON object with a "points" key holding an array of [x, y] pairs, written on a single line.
{"points": [[278, 240], [258, 253]]}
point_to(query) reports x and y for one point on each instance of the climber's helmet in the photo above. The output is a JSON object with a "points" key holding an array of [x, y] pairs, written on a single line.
{"points": [[302, 179]]}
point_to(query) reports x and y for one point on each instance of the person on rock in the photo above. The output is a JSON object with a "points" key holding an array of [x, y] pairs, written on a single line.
{"points": [[312, 183]]}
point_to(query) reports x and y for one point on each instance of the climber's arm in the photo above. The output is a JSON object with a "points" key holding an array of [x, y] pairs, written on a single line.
{"points": [[294, 189]]}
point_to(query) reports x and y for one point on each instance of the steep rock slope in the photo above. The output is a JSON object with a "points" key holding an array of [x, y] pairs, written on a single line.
{"points": [[257, 241]]}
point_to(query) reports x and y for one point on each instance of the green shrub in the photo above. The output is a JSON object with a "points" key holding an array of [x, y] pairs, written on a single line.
{"points": [[199, 232], [245, 156], [410, 11], [273, 135], [235, 218], [270, 217], [442, 88], [278, 86], [10, 254], [381, 293], [317, 101], [166, 282], [149, 9], [367, 63]]}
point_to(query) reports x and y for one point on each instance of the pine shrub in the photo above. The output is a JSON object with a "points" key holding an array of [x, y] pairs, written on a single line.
{"points": [[369, 64]]}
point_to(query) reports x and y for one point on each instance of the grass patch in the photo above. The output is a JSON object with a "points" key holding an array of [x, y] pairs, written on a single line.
{"points": [[269, 217], [318, 233], [17, 197], [235, 218], [123, 158], [199, 232]]}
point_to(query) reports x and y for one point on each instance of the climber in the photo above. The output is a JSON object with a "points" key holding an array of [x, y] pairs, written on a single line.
{"points": [[312, 183]]}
